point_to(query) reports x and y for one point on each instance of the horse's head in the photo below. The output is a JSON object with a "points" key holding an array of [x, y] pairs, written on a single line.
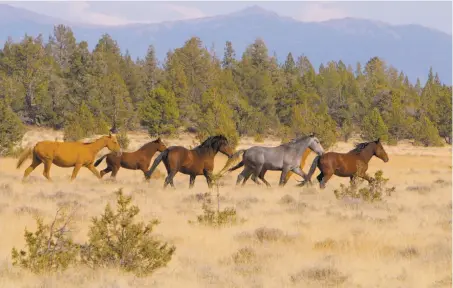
{"points": [[160, 145], [380, 152], [315, 145], [220, 144], [112, 143]]}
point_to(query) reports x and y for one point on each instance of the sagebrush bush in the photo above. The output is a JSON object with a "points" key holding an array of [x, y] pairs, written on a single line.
{"points": [[50, 248], [258, 138], [116, 241], [218, 217], [373, 192], [123, 140]]}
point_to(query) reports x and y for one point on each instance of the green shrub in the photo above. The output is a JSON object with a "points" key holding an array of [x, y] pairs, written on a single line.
{"points": [[426, 134], [116, 241], [218, 217], [373, 192], [50, 248], [11, 129], [258, 138], [123, 140]]}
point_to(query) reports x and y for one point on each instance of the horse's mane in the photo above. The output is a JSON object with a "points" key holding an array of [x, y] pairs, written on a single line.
{"points": [[296, 140], [212, 140], [360, 146], [146, 144]]}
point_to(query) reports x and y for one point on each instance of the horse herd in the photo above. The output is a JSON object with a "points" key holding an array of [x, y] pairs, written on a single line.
{"points": [[288, 158]]}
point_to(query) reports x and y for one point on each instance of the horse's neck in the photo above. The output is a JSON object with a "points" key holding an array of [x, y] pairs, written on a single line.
{"points": [[367, 153], [149, 150], [300, 149], [205, 151], [97, 145]]}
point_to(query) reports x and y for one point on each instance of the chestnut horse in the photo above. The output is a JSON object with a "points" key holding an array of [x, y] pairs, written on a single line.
{"points": [[194, 162], [352, 164], [67, 154], [138, 160]]}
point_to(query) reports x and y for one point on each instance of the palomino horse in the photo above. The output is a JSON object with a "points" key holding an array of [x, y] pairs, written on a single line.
{"points": [[67, 154], [139, 159], [194, 162], [290, 173], [285, 157], [352, 164]]}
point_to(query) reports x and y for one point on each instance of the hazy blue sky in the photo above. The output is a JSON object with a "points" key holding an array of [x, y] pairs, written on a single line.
{"points": [[434, 14]]}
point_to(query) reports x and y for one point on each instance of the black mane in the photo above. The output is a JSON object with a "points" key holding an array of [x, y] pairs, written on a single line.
{"points": [[214, 142], [359, 147]]}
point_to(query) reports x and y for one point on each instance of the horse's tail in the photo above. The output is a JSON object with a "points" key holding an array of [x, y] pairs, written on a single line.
{"points": [[24, 156], [232, 161], [99, 160], [156, 162], [313, 167]]}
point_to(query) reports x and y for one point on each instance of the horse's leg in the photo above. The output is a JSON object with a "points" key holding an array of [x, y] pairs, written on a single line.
{"points": [[94, 170], [261, 176], [256, 173], [207, 174], [114, 171], [192, 181], [105, 171], [169, 179], [283, 176], [242, 175], [75, 171], [47, 164], [35, 163], [326, 176], [301, 173], [319, 177]]}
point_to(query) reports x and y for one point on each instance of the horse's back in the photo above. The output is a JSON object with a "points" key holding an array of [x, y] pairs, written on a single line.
{"points": [[63, 154]]}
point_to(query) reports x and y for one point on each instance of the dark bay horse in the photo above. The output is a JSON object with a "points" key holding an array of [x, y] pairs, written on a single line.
{"points": [[137, 160], [194, 162], [352, 164]]}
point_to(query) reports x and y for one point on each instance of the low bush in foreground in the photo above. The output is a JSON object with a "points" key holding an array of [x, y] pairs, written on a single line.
{"points": [[50, 247], [373, 192], [217, 217], [114, 241]]}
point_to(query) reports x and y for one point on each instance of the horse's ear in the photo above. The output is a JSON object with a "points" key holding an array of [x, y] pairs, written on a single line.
{"points": [[159, 140], [312, 134], [378, 140]]}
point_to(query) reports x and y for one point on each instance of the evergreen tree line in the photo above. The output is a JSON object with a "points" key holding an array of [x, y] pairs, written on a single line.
{"points": [[63, 85]]}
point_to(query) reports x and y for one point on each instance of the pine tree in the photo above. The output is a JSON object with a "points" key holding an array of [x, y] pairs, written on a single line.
{"points": [[11, 128], [374, 127], [159, 112]]}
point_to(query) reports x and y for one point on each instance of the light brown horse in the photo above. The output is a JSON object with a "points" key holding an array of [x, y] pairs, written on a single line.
{"points": [[67, 154], [194, 162], [288, 175], [352, 164], [137, 160]]}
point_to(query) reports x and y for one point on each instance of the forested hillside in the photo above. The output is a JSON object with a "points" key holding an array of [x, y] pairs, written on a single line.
{"points": [[64, 85]]}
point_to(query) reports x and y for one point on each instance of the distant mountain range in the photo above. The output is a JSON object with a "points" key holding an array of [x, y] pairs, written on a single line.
{"points": [[410, 48]]}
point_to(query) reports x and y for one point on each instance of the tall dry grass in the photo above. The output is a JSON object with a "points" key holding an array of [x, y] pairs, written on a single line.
{"points": [[292, 237]]}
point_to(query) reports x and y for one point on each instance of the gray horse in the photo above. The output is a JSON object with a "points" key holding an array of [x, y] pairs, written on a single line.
{"points": [[285, 157]]}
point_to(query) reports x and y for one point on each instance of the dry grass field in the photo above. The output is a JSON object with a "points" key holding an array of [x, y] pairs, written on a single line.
{"points": [[292, 237]]}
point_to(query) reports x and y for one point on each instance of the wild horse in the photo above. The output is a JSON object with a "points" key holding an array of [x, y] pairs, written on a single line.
{"points": [[67, 154], [194, 162], [285, 157], [137, 160], [290, 173], [352, 164]]}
